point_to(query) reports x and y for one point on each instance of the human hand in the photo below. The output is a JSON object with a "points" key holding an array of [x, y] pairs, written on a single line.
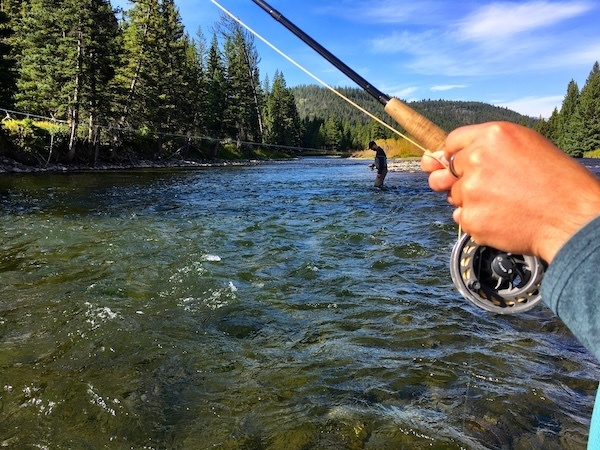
{"points": [[517, 192]]}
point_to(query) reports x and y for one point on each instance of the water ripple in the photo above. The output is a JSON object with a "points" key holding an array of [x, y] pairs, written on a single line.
{"points": [[283, 306]]}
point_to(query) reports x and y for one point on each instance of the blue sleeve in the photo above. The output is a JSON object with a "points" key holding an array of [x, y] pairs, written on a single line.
{"points": [[571, 286]]}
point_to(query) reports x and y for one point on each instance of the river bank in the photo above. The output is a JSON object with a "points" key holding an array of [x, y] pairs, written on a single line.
{"points": [[9, 165]]}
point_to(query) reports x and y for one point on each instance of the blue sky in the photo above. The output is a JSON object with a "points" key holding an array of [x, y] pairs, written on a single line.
{"points": [[515, 54]]}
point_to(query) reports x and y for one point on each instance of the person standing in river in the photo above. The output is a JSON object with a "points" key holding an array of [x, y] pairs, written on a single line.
{"points": [[380, 164]]}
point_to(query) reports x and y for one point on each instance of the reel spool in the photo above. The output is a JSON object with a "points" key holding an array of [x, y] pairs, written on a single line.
{"points": [[496, 281]]}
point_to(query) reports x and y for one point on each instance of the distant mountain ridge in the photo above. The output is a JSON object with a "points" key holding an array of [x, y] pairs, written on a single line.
{"points": [[315, 101]]}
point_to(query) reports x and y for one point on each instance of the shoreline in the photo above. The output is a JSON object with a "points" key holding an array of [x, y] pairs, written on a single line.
{"points": [[11, 166]]}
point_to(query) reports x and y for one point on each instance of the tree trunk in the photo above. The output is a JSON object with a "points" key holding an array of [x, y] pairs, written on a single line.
{"points": [[74, 119], [94, 140], [254, 91]]}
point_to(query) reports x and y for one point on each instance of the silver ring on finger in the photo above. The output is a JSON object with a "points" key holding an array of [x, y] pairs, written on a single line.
{"points": [[451, 166]]}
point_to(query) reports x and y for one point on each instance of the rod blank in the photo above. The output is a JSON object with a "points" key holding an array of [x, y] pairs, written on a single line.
{"points": [[368, 87]]}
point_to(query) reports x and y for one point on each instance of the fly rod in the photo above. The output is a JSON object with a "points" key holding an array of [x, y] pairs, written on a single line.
{"points": [[428, 134], [496, 281]]}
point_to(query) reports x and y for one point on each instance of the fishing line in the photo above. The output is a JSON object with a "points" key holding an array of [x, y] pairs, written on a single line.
{"points": [[318, 80]]}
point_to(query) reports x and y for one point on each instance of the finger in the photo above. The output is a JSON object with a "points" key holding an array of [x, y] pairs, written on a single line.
{"points": [[454, 197], [431, 161], [456, 214], [441, 180], [461, 138]]}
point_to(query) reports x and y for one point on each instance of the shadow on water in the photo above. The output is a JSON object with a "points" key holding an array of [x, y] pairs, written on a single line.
{"points": [[284, 306]]}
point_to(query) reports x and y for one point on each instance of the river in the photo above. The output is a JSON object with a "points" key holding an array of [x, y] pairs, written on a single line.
{"points": [[288, 305]]}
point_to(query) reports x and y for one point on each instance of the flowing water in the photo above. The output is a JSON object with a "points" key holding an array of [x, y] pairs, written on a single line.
{"points": [[282, 306]]}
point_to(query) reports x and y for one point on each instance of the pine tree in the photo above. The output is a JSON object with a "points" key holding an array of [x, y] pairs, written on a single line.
{"points": [[102, 47], [136, 95], [281, 118], [194, 101], [93, 30], [7, 63], [192, 97], [41, 63], [216, 98], [236, 83], [589, 110], [570, 122], [334, 133], [293, 129], [67, 60], [551, 131], [311, 137], [170, 58], [243, 112], [14, 10], [548, 128], [273, 112]]}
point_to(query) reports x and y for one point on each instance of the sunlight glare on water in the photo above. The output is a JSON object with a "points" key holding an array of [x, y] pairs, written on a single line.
{"points": [[288, 305]]}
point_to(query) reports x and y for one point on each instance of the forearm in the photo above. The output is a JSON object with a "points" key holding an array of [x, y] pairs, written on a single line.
{"points": [[571, 286]]}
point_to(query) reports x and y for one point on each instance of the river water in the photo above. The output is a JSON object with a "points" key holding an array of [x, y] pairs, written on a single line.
{"points": [[288, 305]]}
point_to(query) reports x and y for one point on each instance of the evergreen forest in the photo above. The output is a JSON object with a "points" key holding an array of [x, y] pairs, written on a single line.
{"points": [[575, 128], [83, 82]]}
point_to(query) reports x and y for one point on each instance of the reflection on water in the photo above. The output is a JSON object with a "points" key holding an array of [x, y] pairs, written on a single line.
{"points": [[284, 306]]}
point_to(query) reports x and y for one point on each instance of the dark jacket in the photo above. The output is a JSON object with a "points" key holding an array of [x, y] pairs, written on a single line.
{"points": [[380, 160]]}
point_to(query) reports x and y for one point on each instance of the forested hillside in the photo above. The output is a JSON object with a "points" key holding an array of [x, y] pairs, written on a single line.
{"points": [[332, 122]]}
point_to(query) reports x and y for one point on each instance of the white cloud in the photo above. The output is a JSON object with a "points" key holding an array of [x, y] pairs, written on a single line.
{"points": [[398, 42], [386, 11], [533, 106], [502, 19], [506, 19], [498, 38], [447, 87], [403, 93], [585, 55]]}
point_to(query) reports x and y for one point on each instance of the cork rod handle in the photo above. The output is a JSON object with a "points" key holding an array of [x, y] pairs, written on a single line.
{"points": [[425, 132]]}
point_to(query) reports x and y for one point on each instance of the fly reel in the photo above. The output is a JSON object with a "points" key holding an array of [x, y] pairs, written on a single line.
{"points": [[496, 281]]}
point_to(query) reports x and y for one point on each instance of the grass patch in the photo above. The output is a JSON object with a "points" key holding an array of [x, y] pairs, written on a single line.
{"points": [[229, 151], [394, 148], [592, 154]]}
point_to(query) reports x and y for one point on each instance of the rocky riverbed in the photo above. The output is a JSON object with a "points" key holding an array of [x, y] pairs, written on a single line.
{"points": [[404, 165]]}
